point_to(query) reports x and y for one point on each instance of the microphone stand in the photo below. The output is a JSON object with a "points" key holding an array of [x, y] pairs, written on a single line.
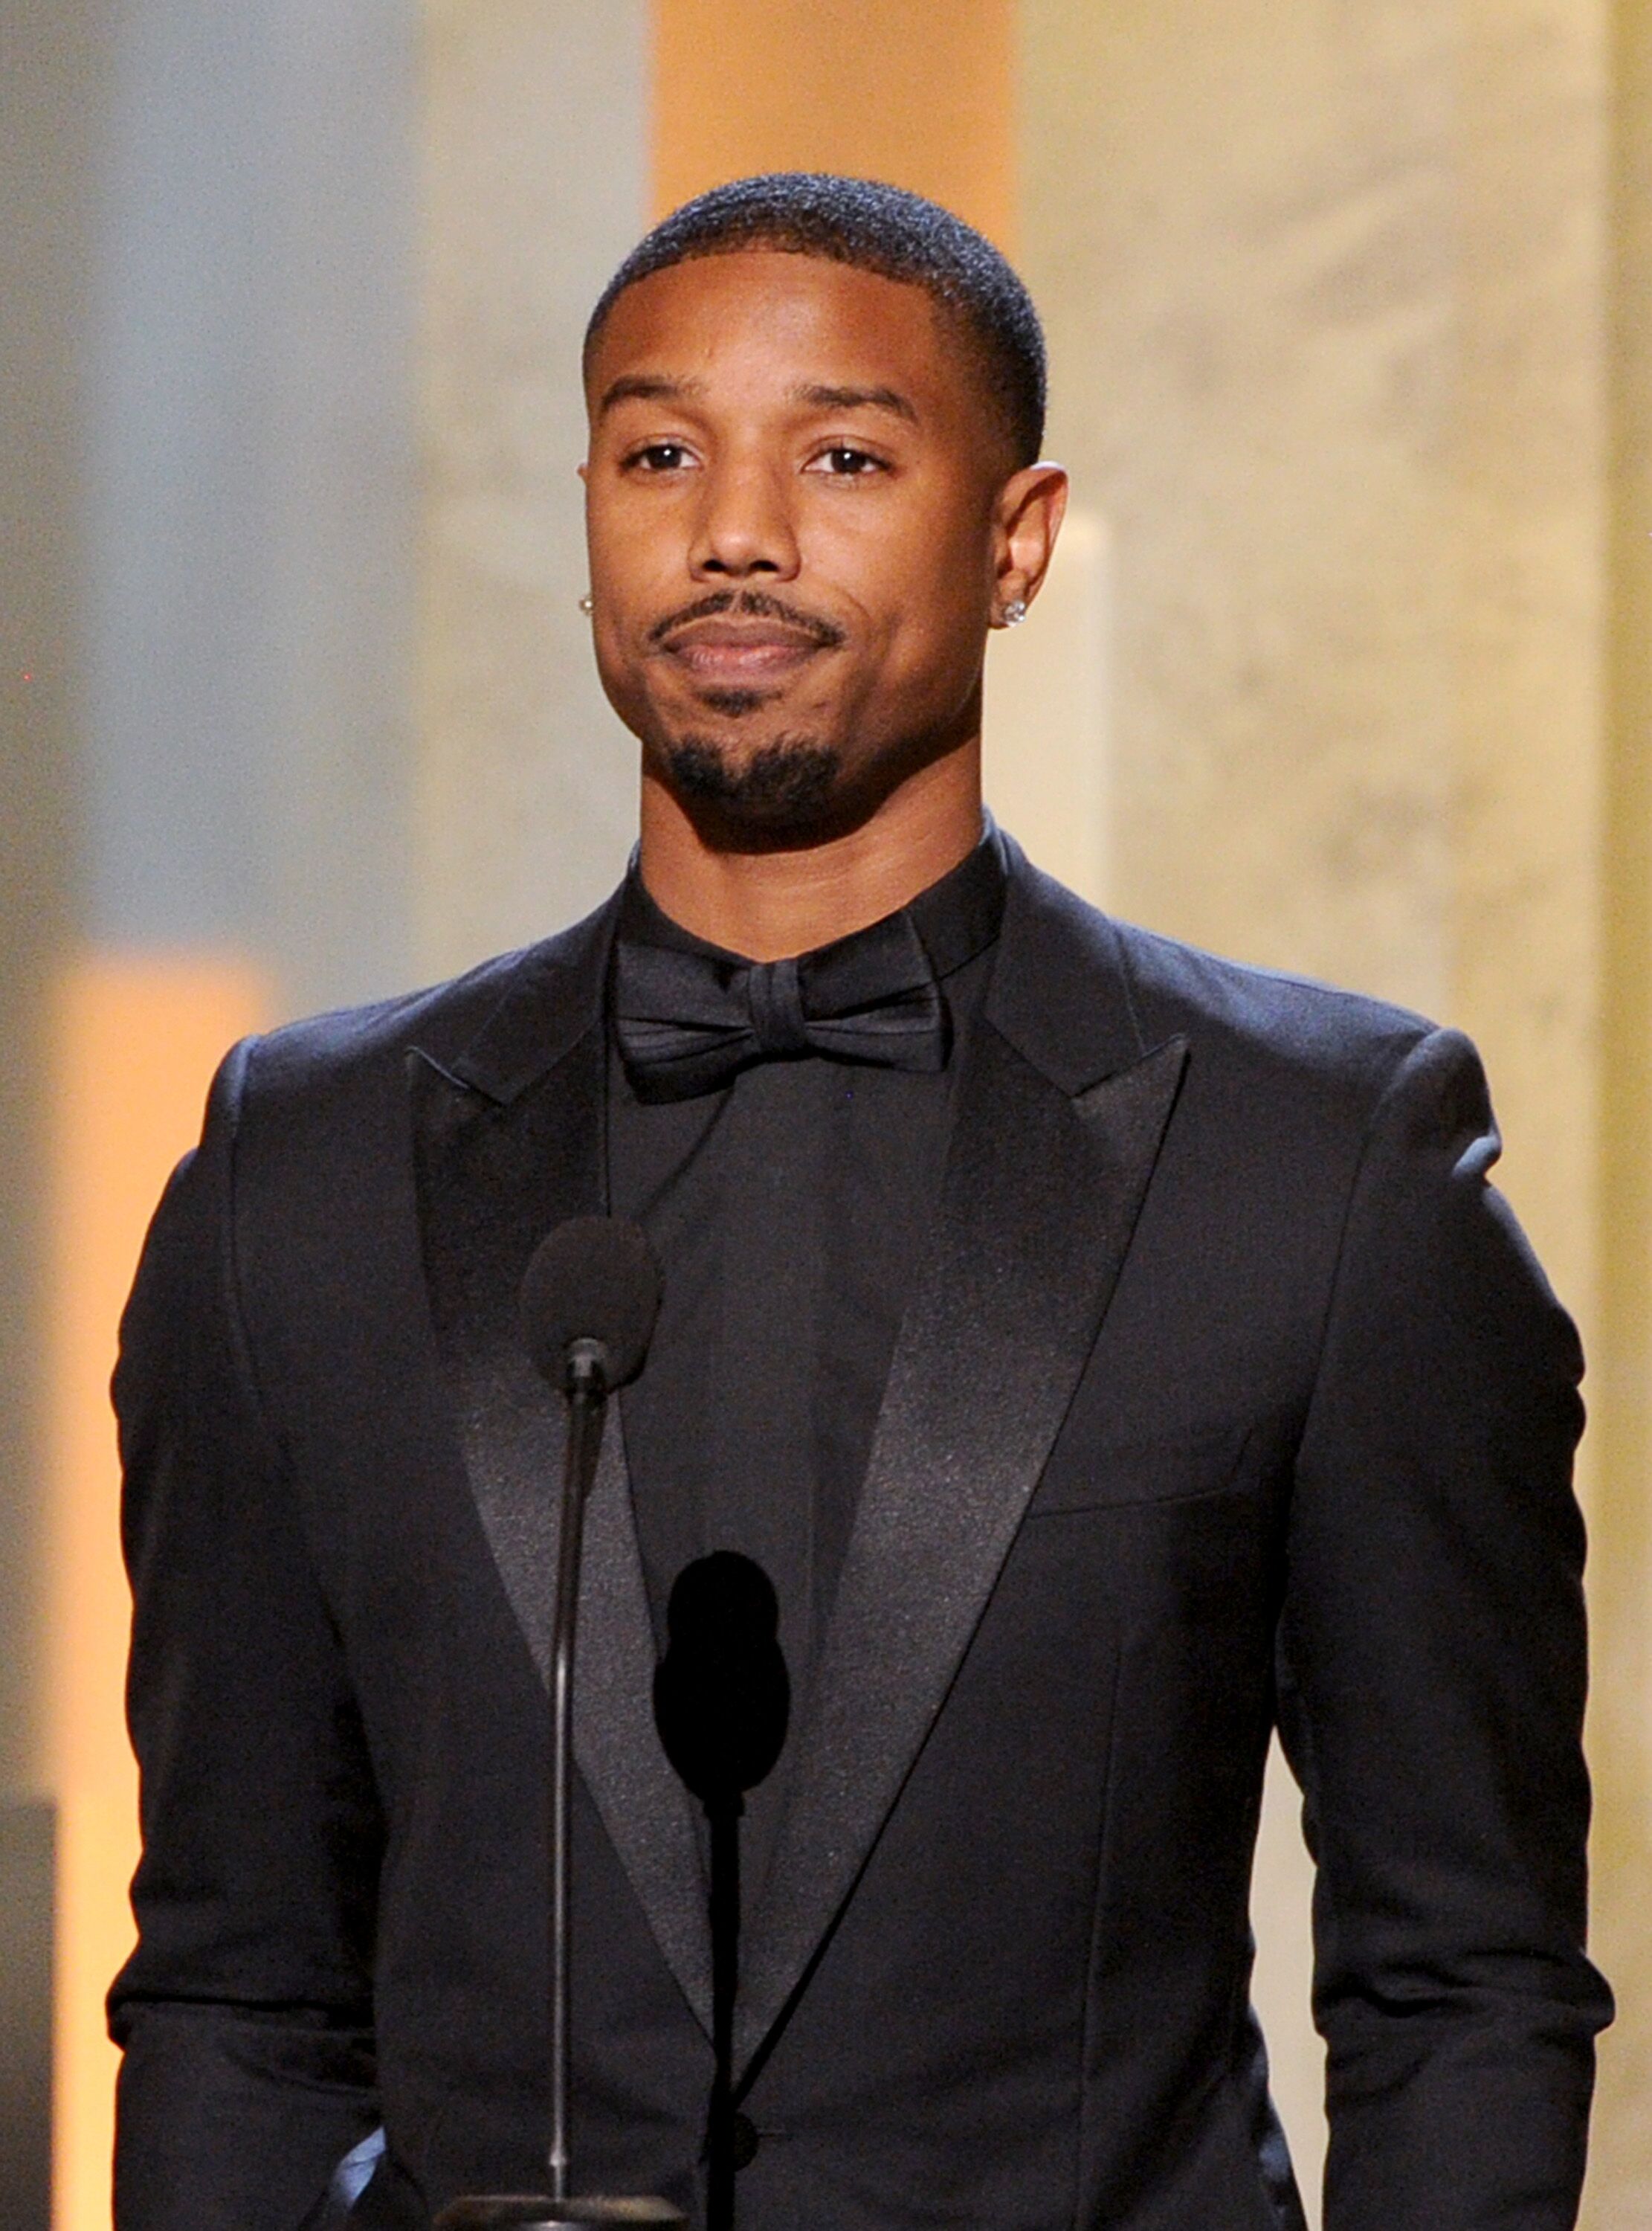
{"points": [[723, 1815], [586, 1384], [587, 1391]]}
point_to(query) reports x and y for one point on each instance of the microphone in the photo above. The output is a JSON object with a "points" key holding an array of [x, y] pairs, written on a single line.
{"points": [[589, 1300], [722, 1700], [590, 1297]]}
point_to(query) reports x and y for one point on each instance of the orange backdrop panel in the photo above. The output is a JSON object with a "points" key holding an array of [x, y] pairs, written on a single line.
{"points": [[135, 1043], [919, 92]]}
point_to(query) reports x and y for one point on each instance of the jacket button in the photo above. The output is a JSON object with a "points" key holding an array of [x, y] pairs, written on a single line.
{"points": [[742, 2140]]}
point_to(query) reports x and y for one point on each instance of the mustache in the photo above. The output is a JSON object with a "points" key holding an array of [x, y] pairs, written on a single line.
{"points": [[750, 604]]}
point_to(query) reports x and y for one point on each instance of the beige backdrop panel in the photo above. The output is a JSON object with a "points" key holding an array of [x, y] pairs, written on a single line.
{"points": [[1620, 1726], [535, 186]]}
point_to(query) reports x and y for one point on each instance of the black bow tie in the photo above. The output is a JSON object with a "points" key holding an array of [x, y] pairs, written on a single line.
{"points": [[687, 1022]]}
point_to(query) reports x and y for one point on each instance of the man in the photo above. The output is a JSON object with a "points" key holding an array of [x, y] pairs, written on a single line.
{"points": [[1106, 1350]]}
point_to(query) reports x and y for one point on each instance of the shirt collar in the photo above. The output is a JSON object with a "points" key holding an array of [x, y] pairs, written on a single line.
{"points": [[956, 917]]}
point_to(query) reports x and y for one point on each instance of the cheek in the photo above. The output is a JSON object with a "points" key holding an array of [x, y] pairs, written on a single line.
{"points": [[634, 540], [950, 552], [934, 661], [915, 572], [940, 598], [618, 551]]}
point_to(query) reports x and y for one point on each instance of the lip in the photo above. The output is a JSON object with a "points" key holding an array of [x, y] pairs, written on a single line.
{"points": [[730, 649]]}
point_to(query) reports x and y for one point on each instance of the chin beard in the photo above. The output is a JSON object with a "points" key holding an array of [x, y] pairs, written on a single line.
{"points": [[786, 787]]}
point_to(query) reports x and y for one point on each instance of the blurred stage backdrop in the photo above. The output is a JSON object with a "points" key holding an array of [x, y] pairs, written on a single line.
{"points": [[1344, 667]]}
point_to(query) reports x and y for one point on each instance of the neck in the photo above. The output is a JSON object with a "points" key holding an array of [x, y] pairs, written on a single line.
{"points": [[768, 904]]}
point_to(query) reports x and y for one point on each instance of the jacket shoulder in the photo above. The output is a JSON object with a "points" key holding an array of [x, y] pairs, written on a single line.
{"points": [[1088, 989], [323, 1062], [1260, 1013]]}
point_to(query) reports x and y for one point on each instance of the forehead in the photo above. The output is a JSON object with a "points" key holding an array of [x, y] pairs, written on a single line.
{"points": [[750, 316]]}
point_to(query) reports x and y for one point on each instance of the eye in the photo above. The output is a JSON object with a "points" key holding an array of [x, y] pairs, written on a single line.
{"points": [[843, 461], [659, 457]]}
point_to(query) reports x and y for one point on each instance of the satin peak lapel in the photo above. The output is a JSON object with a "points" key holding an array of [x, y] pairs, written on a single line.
{"points": [[1039, 1201], [493, 1178]]}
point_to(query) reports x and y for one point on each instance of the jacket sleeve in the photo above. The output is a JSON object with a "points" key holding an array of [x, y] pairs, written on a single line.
{"points": [[1431, 1690], [245, 2012]]}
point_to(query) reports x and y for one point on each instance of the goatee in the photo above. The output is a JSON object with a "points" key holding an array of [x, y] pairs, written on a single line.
{"points": [[791, 785]]}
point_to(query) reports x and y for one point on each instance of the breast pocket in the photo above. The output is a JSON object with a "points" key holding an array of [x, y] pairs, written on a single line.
{"points": [[1171, 1469]]}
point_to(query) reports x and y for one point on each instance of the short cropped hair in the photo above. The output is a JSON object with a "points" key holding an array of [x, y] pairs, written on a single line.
{"points": [[877, 228]]}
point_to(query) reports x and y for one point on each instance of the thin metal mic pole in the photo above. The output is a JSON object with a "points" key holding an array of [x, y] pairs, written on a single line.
{"points": [[587, 1401], [725, 1818], [590, 1297]]}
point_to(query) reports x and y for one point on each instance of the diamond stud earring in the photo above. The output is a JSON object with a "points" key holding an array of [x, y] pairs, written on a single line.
{"points": [[587, 605], [1014, 612]]}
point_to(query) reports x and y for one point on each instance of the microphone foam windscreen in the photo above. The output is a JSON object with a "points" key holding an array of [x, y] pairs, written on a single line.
{"points": [[593, 1278]]}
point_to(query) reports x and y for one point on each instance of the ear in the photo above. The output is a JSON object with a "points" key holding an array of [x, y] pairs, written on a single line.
{"points": [[1027, 519]]}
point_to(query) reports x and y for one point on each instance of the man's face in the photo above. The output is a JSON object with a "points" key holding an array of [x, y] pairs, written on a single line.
{"points": [[793, 500]]}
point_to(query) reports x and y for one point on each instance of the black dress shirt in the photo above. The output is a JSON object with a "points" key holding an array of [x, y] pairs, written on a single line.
{"points": [[787, 1211]]}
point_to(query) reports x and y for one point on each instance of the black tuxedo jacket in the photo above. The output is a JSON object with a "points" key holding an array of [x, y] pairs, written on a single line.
{"points": [[1229, 1392]]}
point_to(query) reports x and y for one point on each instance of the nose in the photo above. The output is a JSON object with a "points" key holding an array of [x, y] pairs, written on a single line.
{"points": [[745, 527]]}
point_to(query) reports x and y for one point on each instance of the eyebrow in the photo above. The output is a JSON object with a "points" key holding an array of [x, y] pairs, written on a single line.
{"points": [[648, 387], [858, 398], [656, 387]]}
